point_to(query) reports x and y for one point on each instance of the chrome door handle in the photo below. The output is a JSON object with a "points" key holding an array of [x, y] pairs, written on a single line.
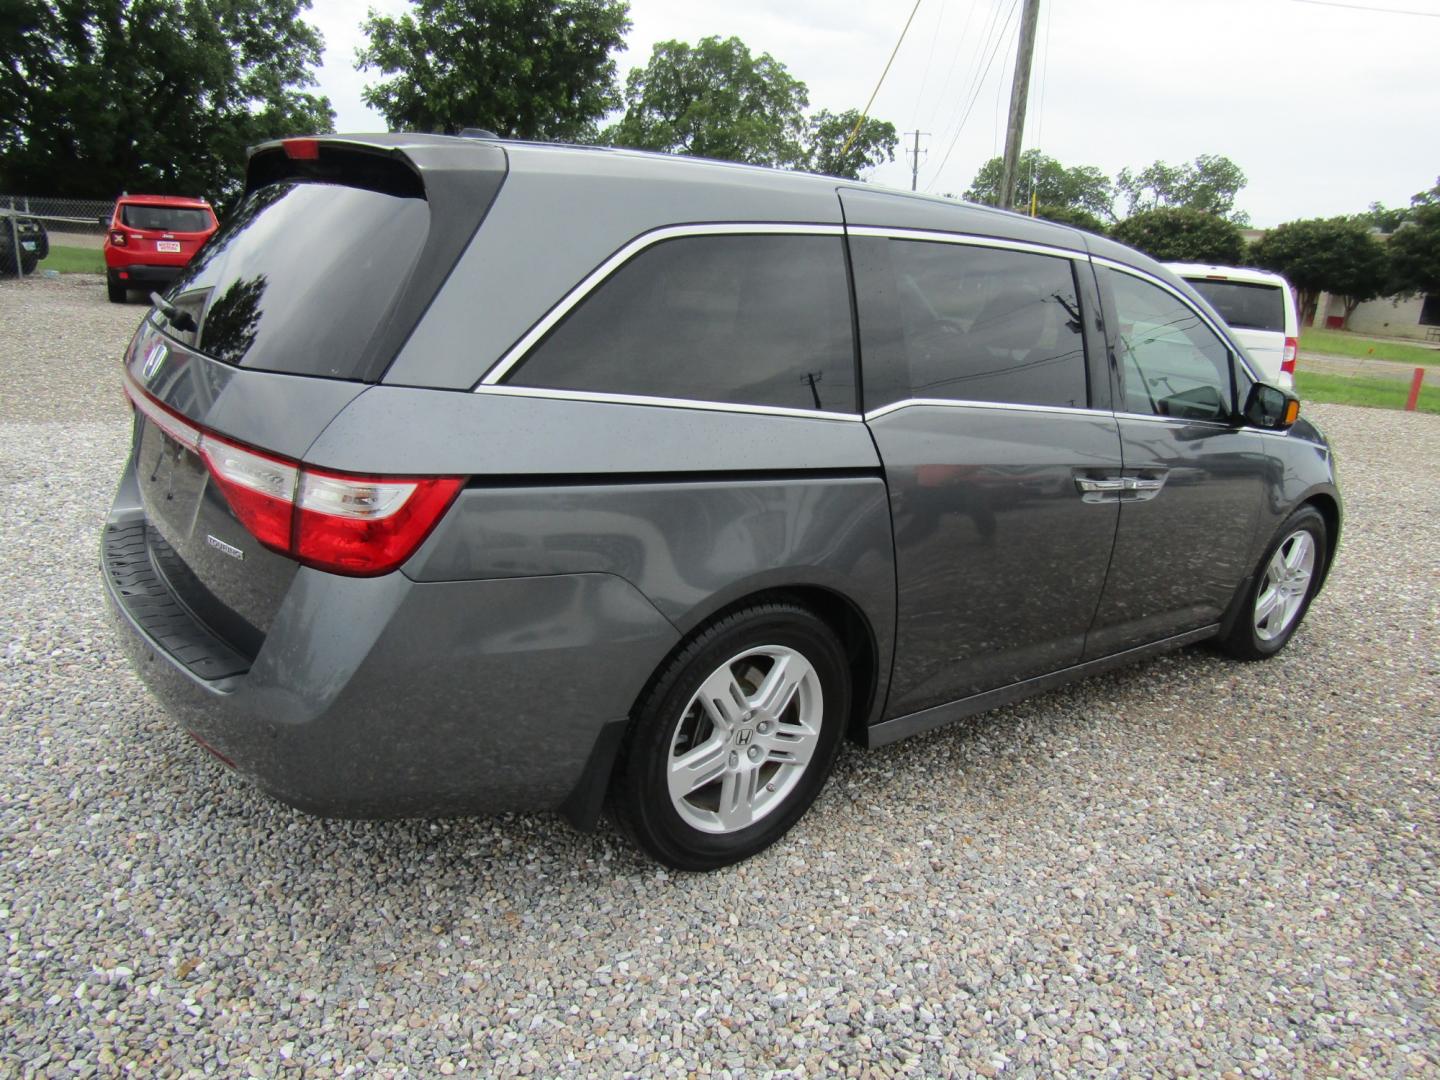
{"points": [[1093, 486], [1112, 488]]}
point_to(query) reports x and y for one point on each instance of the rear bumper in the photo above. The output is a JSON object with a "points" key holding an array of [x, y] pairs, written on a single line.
{"points": [[138, 274], [386, 697]]}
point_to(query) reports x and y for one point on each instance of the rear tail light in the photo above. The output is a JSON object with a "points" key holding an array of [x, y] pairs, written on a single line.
{"points": [[1292, 350], [117, 238], [355, 525]]}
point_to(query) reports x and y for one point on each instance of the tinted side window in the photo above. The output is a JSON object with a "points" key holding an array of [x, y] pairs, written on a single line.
{"points": [[1171, 363], [754, 320], [940, 320]]}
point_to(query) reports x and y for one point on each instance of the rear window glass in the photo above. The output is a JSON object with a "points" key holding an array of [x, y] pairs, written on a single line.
{"points": [[1243, 305], [300, 278], [165, 218], [754, 320]]}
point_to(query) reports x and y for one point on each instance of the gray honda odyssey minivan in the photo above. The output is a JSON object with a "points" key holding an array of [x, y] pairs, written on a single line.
{"points": [[472, 475]]}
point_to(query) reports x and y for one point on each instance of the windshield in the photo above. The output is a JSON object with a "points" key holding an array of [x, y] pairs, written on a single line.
{"points": [[165, 218], [301, 277], [1245, 306]]}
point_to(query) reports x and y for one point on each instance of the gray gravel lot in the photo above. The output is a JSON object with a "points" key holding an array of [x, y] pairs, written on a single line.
{"points": [[1193, 866]]}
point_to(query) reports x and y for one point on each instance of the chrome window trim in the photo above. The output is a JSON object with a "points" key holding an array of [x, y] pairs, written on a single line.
{"points": [[597, 398], [1156, 418], [570, 300], [1146, 276], [956, 403], [1219, 425], [966, 239]]}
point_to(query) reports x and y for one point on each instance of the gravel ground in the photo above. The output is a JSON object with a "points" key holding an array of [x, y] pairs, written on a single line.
{"points": [[1192, 866]]}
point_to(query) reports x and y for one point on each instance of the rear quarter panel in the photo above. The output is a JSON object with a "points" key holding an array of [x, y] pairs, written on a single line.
{"points": [[696, 508]]}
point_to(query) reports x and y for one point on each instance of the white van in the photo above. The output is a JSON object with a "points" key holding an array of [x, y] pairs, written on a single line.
{"points": [[1259, 307]]}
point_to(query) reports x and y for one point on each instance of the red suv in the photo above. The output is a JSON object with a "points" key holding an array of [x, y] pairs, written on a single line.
{"points": [[151, 239]]}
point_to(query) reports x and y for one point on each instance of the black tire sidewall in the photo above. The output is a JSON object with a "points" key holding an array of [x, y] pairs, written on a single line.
{"points": [[1250, 643], [643, 788]]}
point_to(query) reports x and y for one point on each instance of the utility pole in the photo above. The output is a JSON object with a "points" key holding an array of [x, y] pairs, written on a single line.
{"points": [[1019, 94], [915, 154]]}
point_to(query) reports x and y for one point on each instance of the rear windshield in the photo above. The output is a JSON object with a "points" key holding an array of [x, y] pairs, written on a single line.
{"points": [[165, 218], [300, 278], [1245, 306]]}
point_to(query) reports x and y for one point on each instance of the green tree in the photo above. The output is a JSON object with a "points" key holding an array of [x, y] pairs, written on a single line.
{"points": [[1414, 247], [1385, 218], [826, 134], [1080, 187], [1179, 234], [1336, 255], [1209, 184], [1072, 216], [715, 100], [100, 96], [525, 69]]}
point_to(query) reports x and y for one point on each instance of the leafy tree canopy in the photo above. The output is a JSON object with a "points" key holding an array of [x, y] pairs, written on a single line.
{"points": [[528, 69], [1385, 218], [1181, 234], [1080, 187], [827, 132], [1336, 255], [1415, 246], [714, 99], [1072, 216], [1209, 184], [163, 96]]}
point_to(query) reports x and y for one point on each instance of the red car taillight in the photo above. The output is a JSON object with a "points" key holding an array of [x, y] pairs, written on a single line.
{"points": [[355, 525], [117, 238], [1292, 350]]}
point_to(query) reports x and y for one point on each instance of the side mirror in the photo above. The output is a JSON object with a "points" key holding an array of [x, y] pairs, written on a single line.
{"points": [[1270, 407]]}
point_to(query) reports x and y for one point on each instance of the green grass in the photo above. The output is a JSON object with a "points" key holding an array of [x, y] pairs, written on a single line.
{"points": [[1377, 393], [1344, 343], [74, 260]]}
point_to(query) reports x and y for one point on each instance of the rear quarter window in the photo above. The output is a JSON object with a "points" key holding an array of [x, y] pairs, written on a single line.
{"points": [[301, 277], [1245, 305], [750, 320]]}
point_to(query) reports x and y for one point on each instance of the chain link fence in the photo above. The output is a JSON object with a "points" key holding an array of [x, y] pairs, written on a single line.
{"points": [[35, 228]]}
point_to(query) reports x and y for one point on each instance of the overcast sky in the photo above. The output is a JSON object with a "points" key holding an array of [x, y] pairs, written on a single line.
{"points": [[1325, 108]]}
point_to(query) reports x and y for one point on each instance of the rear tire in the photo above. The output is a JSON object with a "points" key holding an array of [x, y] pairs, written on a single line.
{"points": [[114, 290], [735, 738], [1280, 592]]}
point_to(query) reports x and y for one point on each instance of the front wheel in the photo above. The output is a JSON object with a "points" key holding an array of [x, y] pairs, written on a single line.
{"points": [[1284, 584], [734, 740]]}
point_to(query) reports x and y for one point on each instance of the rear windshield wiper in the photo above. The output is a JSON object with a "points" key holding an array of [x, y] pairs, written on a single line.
{"points": [[180, 320]]}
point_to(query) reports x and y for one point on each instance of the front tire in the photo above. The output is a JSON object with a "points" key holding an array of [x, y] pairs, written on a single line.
{"points": [[1283, 586], [735, 738]]}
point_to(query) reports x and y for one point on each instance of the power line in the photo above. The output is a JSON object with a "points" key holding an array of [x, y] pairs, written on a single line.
{"points": [[1004, 33], [982, 45], [930, 59], [866, 111], [1373, 10]]}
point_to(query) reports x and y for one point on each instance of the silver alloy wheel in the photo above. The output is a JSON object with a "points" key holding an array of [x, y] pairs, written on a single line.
{"points": [[1287, 580], [745, 739]]}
